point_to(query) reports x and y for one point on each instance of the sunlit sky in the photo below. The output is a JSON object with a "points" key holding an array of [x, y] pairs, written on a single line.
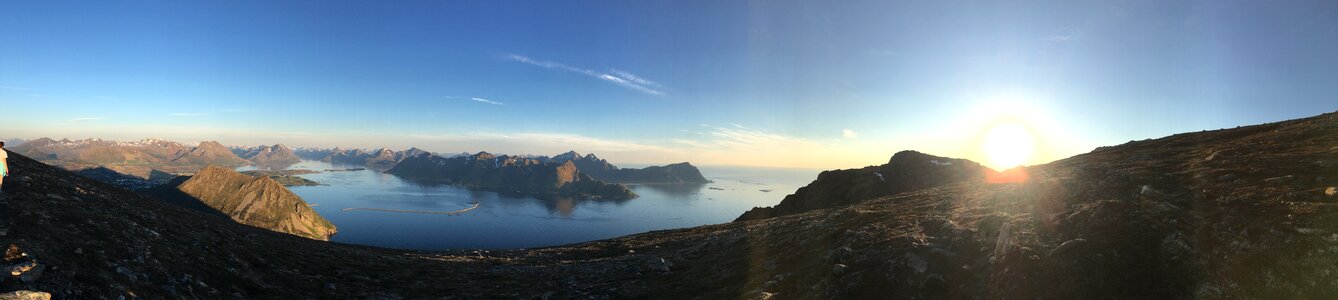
{"points": [[808, 84]]}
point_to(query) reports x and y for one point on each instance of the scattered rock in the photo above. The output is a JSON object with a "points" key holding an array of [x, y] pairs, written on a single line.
{"points": [[78, 250], [32, 275], [1226, 177], [839, 269], [1066, 246], [1331, 191], [1278, 180], [1148, 191], [660, 265], [20, 268], [630, 251], [54, 196], [4, 231], [25, 295], [13, 253]]}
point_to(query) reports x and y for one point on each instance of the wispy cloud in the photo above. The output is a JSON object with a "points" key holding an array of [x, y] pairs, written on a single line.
{"points": [[233, 110], [476, 99], [108, 98], [542, 143], [187, 115], [633, 78], [40, 96], [615, 76], [486, 101], [14, 88], [850, 134], [85, 119]]}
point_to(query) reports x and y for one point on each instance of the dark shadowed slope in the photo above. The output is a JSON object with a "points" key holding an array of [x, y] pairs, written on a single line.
{"points": [[1238, 213], [906, 171]]}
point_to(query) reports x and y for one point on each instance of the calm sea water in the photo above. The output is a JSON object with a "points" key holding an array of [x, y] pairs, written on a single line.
{"points": [[517, 221]]}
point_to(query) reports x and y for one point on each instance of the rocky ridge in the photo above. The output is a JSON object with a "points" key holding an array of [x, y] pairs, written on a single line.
{"points": [[257, 201], [905, 171]]}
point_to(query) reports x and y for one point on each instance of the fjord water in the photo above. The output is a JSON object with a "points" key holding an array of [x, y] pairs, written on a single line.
{"points": [[518, 221]]}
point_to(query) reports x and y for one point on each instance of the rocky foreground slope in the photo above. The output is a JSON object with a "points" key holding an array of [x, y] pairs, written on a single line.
{"points": [[1249, 212]]}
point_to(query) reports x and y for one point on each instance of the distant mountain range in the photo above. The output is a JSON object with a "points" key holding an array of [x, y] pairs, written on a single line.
{"points": [[158, 161], [508, 173], [277, 155], [138, 158], [601, 169]]}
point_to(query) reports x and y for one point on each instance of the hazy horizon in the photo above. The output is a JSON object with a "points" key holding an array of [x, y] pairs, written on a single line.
{"points": [[777, 84]]}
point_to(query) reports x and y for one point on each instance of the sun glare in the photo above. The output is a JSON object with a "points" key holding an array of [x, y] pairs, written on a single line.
{"points": [[1008, 145]]}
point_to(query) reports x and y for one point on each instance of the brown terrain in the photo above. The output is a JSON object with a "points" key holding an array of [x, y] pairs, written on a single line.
{"points": [[150, 159], [1249, 212], [258, 201]]}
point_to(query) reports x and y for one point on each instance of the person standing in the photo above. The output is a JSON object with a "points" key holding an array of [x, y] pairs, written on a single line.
{"points": [[4, 164]]}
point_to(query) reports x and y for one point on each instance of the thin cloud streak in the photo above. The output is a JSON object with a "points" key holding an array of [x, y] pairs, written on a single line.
{"points": [[621, 78], [186, 115], [486, 101], [15, 88]]}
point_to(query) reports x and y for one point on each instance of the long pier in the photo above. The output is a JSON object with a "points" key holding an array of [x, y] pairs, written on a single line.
{"points": [[451, 213]]}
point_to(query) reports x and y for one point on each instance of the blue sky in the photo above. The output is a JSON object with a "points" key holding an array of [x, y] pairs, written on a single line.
{"points": [[768, 83]]}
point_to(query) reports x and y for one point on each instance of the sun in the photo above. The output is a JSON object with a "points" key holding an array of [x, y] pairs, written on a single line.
{"points": [[1008, 145]]}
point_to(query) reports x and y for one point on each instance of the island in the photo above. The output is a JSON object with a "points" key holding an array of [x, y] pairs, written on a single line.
{"points": [[512, 174]]}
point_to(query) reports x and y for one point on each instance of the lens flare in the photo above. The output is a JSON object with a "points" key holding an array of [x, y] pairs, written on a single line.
{"points": [[1008, 145]]}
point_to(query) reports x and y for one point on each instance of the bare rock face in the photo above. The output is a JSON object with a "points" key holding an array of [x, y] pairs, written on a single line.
{"points": [[255, 201], [25, 295]]}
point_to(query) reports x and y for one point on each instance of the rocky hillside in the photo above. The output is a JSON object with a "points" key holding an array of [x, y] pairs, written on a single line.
{"points": [[509, 174], [906, 171], [277, 155], [602, 170], [256, 201], [1250, 212], [209, 153]]}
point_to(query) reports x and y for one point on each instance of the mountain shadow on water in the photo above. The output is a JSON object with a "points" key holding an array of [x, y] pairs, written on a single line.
{"points": [[673, 189]]}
